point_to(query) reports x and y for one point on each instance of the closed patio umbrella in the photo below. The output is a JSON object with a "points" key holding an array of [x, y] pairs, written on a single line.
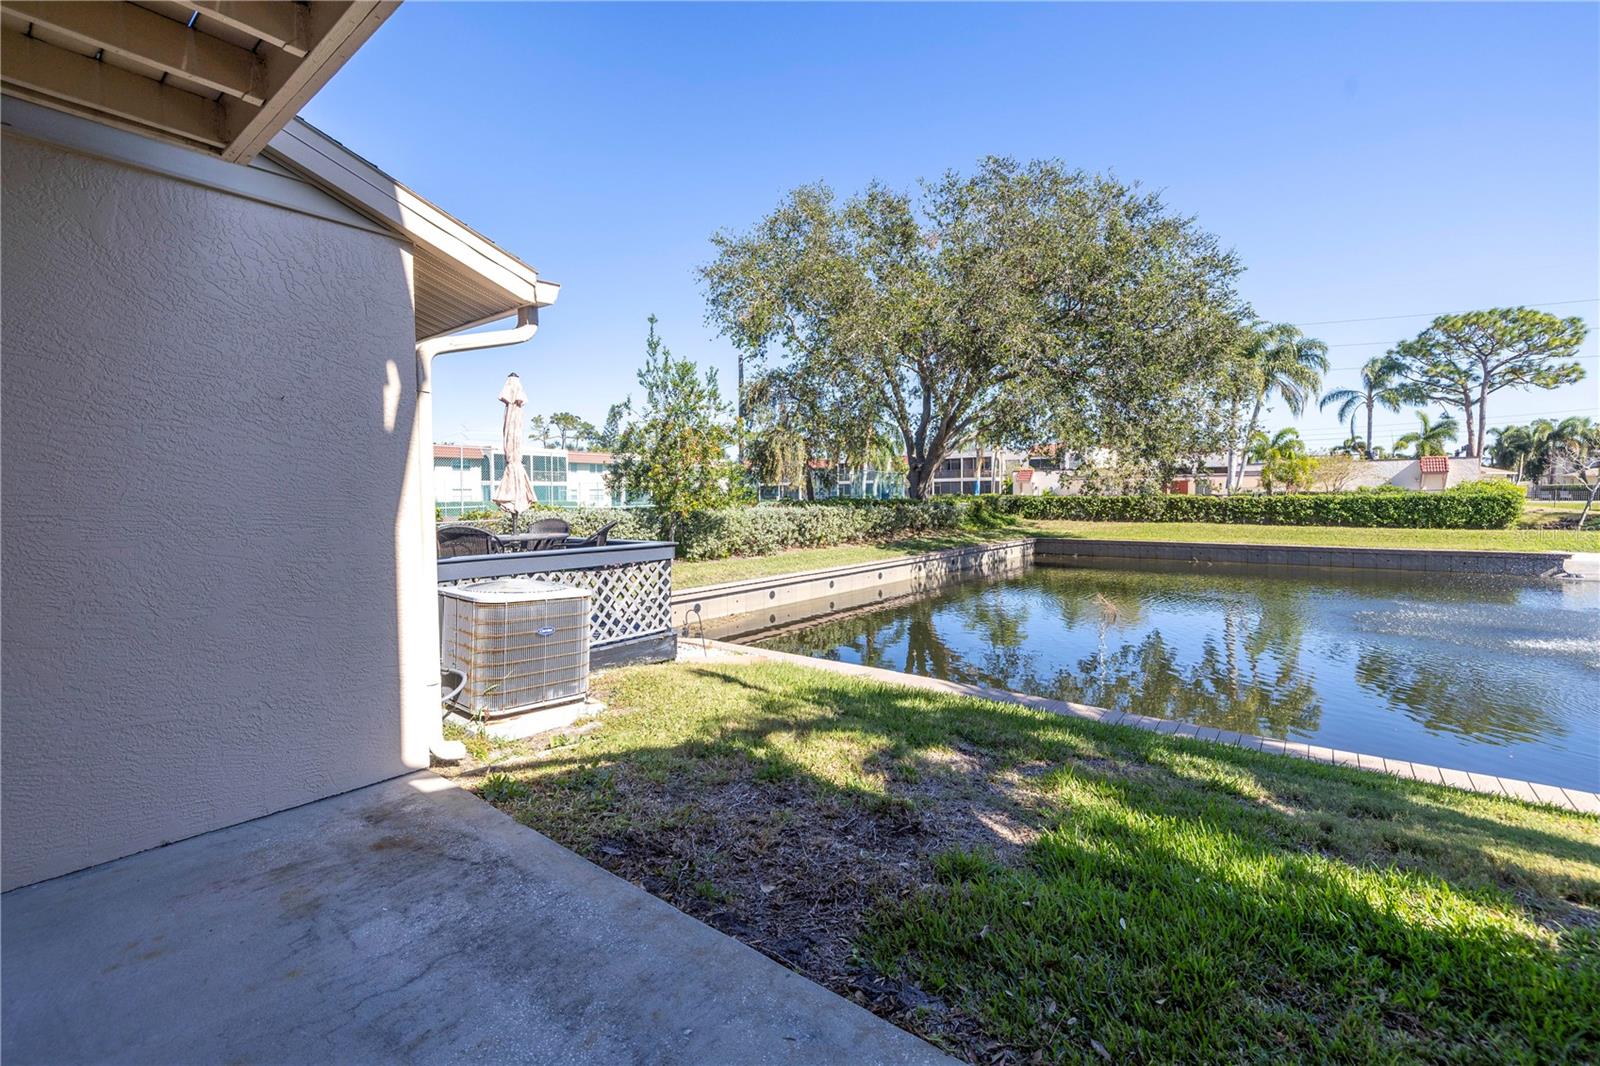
{"points": [[514, 493]]}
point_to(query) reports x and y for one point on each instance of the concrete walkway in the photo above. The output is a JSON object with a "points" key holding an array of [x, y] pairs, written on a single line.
{"points": [[1574, 799], [404, 922], [1585, 565]]}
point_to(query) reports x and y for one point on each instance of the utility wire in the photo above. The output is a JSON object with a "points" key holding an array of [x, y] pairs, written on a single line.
{"points": [[1324, 436], [1358, 366], [1425, 314]]}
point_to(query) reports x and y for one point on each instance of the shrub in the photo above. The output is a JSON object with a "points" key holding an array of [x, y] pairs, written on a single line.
{"points": [[758, 530], [1473, 505], [764, 530], [633, 523]]}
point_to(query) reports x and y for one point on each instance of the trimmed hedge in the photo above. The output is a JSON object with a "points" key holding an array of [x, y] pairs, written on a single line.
{"points": [[768, 529], [773, 528], [755, 530], [1473, 505]]}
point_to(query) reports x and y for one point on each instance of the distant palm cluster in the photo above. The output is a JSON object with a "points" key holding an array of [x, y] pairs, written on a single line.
{"points": [[1543, 448]]}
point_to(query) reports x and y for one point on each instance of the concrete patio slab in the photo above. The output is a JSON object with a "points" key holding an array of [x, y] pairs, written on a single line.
{"points": [[407, 921]]}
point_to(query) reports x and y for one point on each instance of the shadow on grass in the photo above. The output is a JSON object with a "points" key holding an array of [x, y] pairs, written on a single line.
{"points": [[1181, 901]]}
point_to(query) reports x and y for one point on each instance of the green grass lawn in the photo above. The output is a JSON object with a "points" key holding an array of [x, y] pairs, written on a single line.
{"points": [[1543, 513], [717, 571], [1022, 887]]}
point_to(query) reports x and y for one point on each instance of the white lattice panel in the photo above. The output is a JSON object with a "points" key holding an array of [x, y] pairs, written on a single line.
{"points": [[629, 600], [630, 583]]}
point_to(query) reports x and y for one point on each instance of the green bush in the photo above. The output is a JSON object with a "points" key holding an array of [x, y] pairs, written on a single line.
{"points": [[756, 530], [764, 530], [633, 523], [825, 523], [1473, 505]]}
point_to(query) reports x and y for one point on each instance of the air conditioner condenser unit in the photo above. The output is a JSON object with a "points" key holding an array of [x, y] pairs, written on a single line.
{"points": [[522, 643]]}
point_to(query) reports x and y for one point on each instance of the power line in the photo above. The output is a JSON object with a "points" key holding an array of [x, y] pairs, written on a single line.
{"points": [[1387, 424], [1358, 366], [1426, 314]]}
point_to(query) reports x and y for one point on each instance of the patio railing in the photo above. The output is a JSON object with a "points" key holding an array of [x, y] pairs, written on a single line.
{"points": [[630, 581]]}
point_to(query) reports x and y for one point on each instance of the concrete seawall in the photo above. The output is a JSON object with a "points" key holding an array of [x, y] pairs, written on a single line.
{"points": [[1060, 551], [761, 603], [766, 601]]}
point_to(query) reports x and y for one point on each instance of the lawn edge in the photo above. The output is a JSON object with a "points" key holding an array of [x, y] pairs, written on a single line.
{"points": [[1566, 800]]}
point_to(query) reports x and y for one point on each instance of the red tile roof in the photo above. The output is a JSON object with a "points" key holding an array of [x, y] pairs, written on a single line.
{"points": [[459, 451], [588, 457], [1434, 464]]}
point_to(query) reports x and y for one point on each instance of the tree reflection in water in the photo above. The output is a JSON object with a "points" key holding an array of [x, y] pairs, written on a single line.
{"points": [[1486, 708], [1256, 652], [1246, 678]]}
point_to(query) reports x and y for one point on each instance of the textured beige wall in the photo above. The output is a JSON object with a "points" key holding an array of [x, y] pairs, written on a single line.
{"points": [[210, 524]]}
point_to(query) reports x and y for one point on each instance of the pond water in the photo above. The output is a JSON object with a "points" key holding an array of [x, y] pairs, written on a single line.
{"points": [[1484, 674]]}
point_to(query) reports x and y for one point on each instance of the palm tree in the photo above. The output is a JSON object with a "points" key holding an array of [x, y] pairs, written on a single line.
{"points": [[875, 450], [1284, 442], [1431, 437], [1282, 457], [775, 447], [1381, 386], [1512, 448], [1288, 365], [1568, 431]]}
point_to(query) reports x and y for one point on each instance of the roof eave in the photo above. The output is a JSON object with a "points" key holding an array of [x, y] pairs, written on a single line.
{"points": [[501, 282]]}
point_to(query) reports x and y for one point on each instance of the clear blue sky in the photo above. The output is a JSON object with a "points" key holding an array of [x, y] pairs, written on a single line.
{"points": [[1364, 161]]}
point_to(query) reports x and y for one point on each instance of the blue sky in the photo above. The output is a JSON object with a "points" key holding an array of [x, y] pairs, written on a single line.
{"points": [[1364, 161]]}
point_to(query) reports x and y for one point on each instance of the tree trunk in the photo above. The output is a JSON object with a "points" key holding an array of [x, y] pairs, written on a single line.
{"points": [[914, 480], [1466, 410], [1233, 432], [1583, 516], [919, 478], [1250, 431], [1483, 415], [1369, 431]]}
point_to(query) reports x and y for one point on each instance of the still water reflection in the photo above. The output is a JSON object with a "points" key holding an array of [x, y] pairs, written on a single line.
{"points": [[1482, 674]]}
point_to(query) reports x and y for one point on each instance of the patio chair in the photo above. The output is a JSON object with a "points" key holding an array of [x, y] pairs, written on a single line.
{"points": [[534, 541], [553, 527], [593, 540], [457, 540], [546, 534]]}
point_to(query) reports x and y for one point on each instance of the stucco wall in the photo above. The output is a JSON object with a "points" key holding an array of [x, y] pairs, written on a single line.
{"points": [[186, 643], [1407, 474]]}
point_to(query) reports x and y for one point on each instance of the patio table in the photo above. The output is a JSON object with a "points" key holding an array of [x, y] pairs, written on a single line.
{"points": [[533, 542]]}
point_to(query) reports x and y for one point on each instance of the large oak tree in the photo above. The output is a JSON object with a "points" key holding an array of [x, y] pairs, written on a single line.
{"points": [[1025, 301]]}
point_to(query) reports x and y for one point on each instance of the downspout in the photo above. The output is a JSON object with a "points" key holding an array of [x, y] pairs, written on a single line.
{"points": [[441, 344]]}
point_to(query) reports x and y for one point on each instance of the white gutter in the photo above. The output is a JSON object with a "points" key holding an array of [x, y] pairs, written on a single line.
{"points": [[441, 344], [444, 343]]}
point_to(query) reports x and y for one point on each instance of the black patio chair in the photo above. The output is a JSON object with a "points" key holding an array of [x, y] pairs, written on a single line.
{"points": [[551, 527], [457, 540], [593, 540]]}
